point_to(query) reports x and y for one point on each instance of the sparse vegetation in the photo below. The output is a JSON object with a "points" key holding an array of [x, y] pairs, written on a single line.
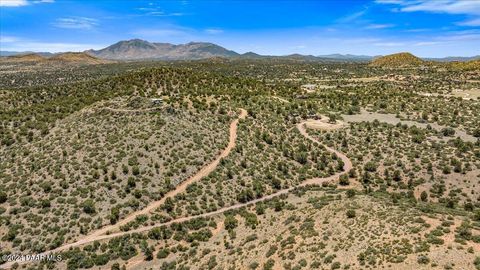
{"points": [[84, 154]]}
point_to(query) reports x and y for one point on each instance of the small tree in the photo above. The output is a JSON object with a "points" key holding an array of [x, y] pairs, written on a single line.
{"points": [[3, 197], [163, 253], [88, 206], [370, 166], [476, 216], [114, 215], [344, 180], [351, 213], [332, 118], [230, 222], [424, 196], [397, 175]]}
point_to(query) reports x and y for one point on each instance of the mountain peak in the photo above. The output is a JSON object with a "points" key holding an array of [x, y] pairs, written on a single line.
{"points": [[76, 57], [136, 49], [397, 60]]}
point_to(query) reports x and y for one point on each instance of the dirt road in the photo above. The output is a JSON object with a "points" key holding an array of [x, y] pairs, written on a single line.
{"points": [[103, 233]]}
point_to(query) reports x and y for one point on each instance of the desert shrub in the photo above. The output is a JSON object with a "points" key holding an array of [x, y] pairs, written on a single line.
{"points": [[268, 265], [448, 132], [370, 166], [88, 206], [163, 253], [422, 259], [3, 197], [476, 216], [344, 181], [351, 193], [476, 262], [424, 196], [271, 251], [230, 222]]}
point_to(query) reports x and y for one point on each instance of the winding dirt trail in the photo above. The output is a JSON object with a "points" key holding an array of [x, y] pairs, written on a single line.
{"points": [[103, 233], [178, 189], [131, 110]]}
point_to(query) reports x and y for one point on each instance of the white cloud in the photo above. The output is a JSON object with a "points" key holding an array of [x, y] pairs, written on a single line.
{"points": [[19, 44], [159, 32], [389, 1], [416, 30], [437, 6], [13, 3], [75, 23], [163, 14], [447, 6], [472, 22], [427, 43], [352, 17], [53, 47], [460, 7], [8, 39], [154, 10], [366, 40], [379, 26], [20, 3], [389, 44], [213, 31]]}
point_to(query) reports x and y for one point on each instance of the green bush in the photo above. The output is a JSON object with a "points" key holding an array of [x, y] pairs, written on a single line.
{"points": [[88, 206], [3, 197], [163, 253]]}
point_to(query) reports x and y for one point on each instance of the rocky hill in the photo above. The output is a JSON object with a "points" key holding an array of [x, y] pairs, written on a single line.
{"points": [[76, 57], [61, 58], [137, 49], [397, 60], [30, 57]]}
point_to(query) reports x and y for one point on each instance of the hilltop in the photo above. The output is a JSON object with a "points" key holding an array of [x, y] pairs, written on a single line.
{"points": [[141, 49], [30, 57], [138, 49], [397, 60], [76, 57], [469, 65], [61, 58]]}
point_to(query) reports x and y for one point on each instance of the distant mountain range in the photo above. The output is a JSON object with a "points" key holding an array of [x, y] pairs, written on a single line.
{"points": [[453, 58], [137, 49], [349, 57], [11, 53], [60, 58]]}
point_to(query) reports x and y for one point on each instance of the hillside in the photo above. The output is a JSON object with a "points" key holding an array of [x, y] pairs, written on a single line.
{"points": [[31, 57], [223, 164], [136, 49], [76, 57], [61, 58], [397, 60], [469, 65]]}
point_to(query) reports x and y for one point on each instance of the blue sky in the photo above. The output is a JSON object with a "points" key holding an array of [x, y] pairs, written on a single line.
{"points": [[427, 28]]}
